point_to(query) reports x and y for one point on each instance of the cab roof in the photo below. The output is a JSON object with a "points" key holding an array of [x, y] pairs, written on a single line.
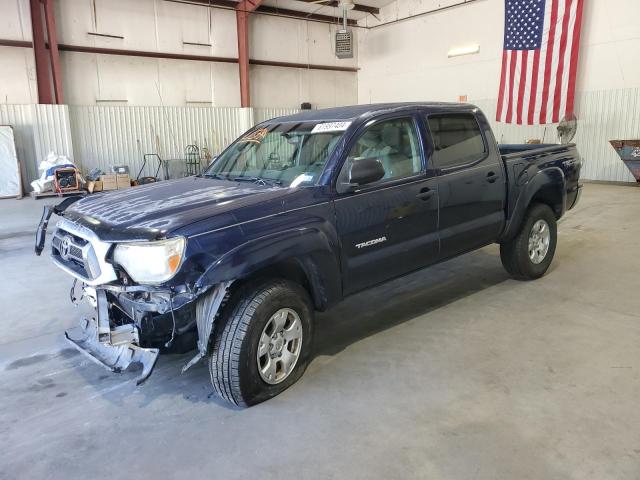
{"points": [[354, 112]]}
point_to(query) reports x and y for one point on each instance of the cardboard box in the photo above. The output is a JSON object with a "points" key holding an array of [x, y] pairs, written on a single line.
{"points": [[94, 186], [123, 180], [109, 182]]}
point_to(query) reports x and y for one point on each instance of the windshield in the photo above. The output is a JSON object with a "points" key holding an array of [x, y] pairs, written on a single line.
{"points": [[284, 154]]}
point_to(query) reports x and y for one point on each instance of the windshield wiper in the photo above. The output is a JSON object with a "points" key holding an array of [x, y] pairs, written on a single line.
{"points": [[217, 176], [258, 180]]}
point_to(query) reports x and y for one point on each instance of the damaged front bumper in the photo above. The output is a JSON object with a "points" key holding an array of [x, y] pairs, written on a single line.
{"points": [[133, 323], [115, 348], [118, 336], [116, 357]]}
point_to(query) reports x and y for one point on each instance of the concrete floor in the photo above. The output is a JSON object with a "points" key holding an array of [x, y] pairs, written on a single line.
{"points": [[456, 372]]}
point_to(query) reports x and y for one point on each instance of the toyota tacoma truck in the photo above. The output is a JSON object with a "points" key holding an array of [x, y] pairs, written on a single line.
{"points": [[295, 215]]}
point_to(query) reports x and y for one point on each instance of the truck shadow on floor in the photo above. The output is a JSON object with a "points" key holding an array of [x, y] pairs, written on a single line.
{"points": [[360, 316], [393, 303]]}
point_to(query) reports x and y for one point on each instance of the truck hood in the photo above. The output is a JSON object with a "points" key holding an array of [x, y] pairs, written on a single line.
{"points": [[151, 211]]}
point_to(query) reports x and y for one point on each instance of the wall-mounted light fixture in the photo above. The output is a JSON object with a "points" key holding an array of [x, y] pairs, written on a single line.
{"points": [[466, 50]]}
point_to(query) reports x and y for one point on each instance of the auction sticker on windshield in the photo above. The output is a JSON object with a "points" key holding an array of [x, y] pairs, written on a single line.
{"points": [[256, 136], [330, 127]]}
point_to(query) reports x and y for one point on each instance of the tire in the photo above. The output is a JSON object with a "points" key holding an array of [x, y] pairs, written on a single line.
{"points": [[515, 254], [234, 361]]}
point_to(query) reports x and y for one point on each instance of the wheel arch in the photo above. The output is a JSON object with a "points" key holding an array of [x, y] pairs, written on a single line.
{"points": [[305, 256], [546, 187]]}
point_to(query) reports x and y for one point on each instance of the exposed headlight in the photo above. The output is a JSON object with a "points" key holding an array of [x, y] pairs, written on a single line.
{"points": [[150, 262]]}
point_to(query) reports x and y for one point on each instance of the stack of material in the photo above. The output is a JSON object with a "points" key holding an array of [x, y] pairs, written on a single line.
{"points": [[47, 169], [10, 183]]}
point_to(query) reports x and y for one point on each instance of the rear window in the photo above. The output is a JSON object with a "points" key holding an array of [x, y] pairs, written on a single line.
{"points": [[457, 139]]}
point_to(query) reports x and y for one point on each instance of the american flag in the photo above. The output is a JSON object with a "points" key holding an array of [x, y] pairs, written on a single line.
{"points": [[539, 61]]}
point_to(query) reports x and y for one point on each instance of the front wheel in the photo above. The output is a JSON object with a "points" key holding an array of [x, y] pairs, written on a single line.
{"points": [[262, 342], [529, 254]]}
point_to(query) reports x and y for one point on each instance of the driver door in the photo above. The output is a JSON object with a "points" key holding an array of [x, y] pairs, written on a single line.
{"points": [[389, 227]]}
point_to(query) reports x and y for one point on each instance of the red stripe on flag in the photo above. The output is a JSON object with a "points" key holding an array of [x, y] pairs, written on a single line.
{"points": [[512, 74], [563, 50], [534, 86], [547, 70], [574, 60], [501, 91], [523, 82]]}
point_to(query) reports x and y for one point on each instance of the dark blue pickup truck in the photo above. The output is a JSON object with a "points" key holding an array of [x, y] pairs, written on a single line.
{"points": [[295, 215]]}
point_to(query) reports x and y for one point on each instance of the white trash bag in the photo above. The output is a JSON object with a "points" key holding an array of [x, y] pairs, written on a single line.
{"points": [[47, 168]]}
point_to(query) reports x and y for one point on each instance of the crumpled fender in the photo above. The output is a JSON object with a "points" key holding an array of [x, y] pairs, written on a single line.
{"points": [[309, 246], [551, 176]]}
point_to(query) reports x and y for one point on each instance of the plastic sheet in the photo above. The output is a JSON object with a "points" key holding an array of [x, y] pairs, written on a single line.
{"points": [[9, 167]]}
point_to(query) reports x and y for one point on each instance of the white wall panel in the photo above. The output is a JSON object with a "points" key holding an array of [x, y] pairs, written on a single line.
{"points": [[135, 21], [161, 26], [92, 79], [289, 87], [602, 116], [15, 20], [17, 76]]}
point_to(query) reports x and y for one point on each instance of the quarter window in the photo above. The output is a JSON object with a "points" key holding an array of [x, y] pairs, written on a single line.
{"points": [[457, 140]]}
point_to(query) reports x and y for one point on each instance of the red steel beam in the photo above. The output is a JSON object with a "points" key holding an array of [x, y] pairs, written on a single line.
{"points": [[15, 43], [54, 55], [177, 56], [243, 9], [40, 54]]}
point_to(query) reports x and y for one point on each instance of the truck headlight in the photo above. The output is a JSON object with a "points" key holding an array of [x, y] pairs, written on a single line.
{"points": [[150, 262]]}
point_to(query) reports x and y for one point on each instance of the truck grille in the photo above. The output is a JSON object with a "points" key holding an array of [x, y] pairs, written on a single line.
{"points": [[75, 253]]}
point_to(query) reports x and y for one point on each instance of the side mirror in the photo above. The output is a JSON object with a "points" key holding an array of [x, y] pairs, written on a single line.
{"points": [[365, 170]]}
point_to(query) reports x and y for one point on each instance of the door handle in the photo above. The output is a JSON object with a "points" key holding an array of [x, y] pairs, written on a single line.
{"points": [[425, 194], [492, 177]]}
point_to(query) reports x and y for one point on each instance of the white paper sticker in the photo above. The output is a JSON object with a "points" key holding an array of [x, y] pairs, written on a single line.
{"points": [[330, 127]]}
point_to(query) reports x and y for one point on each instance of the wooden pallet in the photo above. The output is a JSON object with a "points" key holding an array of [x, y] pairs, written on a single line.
{"points": [[37, 196]]}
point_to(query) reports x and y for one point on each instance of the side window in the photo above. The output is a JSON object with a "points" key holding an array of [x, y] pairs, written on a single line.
{"points": [[457, 139], [394, 143]]}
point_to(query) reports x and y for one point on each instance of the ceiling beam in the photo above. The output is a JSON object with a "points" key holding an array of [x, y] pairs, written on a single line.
{"points": [[358, 7], [285, 12], [267, 10]]}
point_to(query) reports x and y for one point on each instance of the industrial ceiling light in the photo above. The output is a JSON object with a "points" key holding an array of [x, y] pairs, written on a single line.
{"points": [[466, 50], [343, 4], [347, 4]]}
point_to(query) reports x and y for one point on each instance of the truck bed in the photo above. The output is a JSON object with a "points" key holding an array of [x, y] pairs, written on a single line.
{"points": [[526, 164], [511, 148]]}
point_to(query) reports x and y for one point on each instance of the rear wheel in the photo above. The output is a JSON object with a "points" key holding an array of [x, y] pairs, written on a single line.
{"points": [[262, 342], [529, 254]]}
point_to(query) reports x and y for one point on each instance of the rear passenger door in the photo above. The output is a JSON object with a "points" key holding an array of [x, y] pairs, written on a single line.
{"points": [[389, 227], [471, 183]]}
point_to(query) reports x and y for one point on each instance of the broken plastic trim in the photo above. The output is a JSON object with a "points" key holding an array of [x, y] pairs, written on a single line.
{"points": [[206, 313], [120, 354], [41, 233]]}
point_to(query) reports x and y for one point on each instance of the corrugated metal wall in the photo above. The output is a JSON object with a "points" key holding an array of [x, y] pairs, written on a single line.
{"points": [[262, 114], [38, 130], [100, 136], [105, 136], [602, 116]]}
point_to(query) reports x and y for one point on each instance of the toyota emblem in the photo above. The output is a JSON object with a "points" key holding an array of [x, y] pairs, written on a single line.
{"points": [[65, 246]]}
